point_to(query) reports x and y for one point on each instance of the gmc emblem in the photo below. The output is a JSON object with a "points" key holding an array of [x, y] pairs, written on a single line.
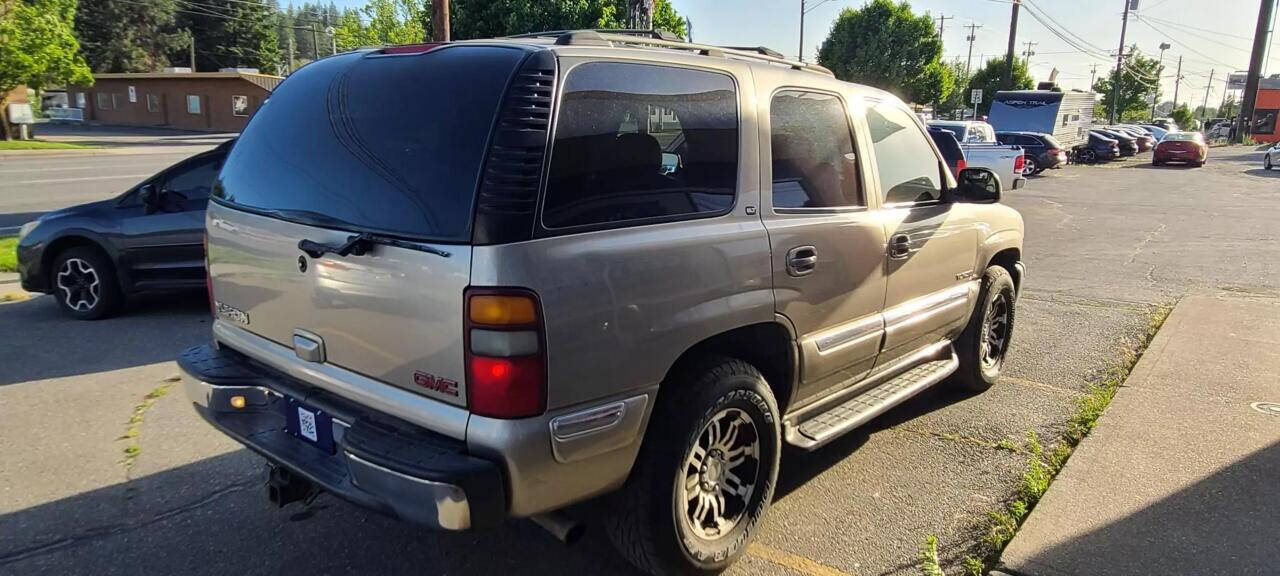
{"points": [[435, 383]]}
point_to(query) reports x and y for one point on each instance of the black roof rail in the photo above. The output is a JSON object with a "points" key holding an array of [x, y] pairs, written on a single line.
{"points": [[663, 39]]}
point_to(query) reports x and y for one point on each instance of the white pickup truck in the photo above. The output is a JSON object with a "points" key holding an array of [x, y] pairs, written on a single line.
{"points": [[978, 140]]}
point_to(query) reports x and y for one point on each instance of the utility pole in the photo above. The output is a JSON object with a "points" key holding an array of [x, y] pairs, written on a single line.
{"points": [[289, 68], [1093, 75], [973, 28], [802, 30], [942, 23], [1013, 43], [1177, 82], [1204, 108], [1028, 53], [1156, 95], [688, 28], [1115, 82], [191, 49], [440, 20], [1250, 97], [315, 42]]}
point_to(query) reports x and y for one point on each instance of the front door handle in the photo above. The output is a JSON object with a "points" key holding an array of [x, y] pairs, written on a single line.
{"points": [[802, 260], [899, 246]]}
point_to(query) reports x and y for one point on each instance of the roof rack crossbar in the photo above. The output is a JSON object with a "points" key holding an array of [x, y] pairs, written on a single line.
{"points": [[664, 39]]}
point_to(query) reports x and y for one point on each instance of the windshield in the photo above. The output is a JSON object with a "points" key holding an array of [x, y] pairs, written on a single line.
{"points": [[390, 144], [1185, 136]]}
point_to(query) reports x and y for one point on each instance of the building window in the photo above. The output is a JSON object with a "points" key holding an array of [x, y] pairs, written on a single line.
{"points": [[115, 101], [103, 100], [1264, 122], [80, 100], [239, 105], [193, 104], [153, 103], [133, 94]]}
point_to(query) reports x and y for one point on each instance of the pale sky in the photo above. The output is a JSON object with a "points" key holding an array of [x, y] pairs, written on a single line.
{"points": [[1208, 34]]}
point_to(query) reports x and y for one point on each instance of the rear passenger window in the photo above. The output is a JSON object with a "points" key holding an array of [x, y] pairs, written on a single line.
{"points": [[909, 169], [640, 144], [814, 165]]}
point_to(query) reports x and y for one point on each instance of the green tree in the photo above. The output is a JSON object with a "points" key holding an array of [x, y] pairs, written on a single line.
{"points": [[1183, 118], [233, 33], [491, 18], [1139, 83], [38, 48], [396, 21], [958, 99], [1202, 112], [886, 45], [135, 36], [990, 79]]}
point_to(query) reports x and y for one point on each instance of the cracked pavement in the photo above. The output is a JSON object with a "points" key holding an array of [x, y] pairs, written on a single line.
{"points": [[1104, 245]]}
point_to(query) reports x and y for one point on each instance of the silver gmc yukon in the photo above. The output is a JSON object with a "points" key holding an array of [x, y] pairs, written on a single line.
{"points": [[458, 283]]}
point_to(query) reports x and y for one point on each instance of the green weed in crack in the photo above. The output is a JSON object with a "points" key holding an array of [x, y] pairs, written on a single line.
{"points": [[134, 430]]}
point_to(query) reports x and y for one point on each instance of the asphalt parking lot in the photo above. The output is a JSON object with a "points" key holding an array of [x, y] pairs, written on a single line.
{"points": [[101, 479]]}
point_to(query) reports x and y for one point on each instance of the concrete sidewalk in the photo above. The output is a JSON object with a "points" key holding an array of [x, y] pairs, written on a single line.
{"points": [[1182, 473]]}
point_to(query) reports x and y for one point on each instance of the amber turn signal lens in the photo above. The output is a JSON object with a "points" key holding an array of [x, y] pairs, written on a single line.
{"points": [[495, 310], [237, 402]]}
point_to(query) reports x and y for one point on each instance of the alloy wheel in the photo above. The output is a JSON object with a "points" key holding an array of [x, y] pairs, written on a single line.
{"points": [[996, 331], [79, 285], [1029, 167], [720, 474]]}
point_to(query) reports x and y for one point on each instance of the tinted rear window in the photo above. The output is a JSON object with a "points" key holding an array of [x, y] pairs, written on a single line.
{"points": [[388, 144], [1051, 141]]}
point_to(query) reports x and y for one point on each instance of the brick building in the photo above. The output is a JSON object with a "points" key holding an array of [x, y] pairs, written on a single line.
{"points": [[214, 101]]}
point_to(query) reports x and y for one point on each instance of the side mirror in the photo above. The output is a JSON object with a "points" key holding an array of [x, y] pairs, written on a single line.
{"points": [[150, 198], [977, 186]]}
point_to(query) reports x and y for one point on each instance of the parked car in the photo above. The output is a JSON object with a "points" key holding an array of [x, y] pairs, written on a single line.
{"points": [[149, 238], [1041, 151], [1272, 156], [1219, 131], [981, 150], [1156, 131], [1128, 144], [952, 154], [533, 314], [1142, 138], [1098, 148], [1183, 147], [1166, 123]]}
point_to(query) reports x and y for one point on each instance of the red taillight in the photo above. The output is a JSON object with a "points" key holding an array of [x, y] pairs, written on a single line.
{"points": [[960, 165], [1019, 163], [1053, 151], [506, 364], [208, 278]]}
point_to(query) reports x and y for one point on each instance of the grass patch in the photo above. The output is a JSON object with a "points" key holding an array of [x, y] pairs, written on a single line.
{"points": [[134, 449], [42, 145], [1044, 464], [9, 254], [929, 565]]}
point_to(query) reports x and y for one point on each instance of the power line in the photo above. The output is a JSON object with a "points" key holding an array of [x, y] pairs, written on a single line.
{"points": [[1171, 39], [1180, 25]]}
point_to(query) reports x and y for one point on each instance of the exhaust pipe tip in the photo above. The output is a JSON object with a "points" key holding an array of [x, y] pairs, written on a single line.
{"points": [[561, 527]]}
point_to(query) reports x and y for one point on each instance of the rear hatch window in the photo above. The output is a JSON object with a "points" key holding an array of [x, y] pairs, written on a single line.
{"points": [[390, 144], [1051, 141]]}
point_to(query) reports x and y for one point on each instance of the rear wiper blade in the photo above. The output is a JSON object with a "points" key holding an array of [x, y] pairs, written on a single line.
{"points": [[359, 244]]}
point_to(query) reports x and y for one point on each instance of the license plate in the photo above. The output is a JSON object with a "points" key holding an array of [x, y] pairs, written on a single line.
{"points": [[311, 425]]}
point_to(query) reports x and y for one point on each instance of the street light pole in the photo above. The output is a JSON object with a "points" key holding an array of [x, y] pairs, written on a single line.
{"points": [[802, 30], [1156, 95]]}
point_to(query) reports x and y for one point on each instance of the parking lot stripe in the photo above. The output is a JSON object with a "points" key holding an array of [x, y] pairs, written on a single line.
{"points": [[85, 179], [792, 561]]}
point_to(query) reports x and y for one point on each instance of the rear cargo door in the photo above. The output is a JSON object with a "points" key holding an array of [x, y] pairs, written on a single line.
{"points": [[385, 145]]}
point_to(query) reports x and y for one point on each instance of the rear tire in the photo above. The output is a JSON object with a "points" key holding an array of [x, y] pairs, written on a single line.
{"points": [[1088, 156], [1155, 162], [1266, 161], [983, 345], [1030, 166], [681, 513], [85, 284]]}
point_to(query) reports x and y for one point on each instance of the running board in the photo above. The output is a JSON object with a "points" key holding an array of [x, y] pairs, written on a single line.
{"points": [[827, 426]]}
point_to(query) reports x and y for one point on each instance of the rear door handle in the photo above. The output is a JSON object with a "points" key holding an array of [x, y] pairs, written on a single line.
{"points": [[899, 246], [802, 260]]}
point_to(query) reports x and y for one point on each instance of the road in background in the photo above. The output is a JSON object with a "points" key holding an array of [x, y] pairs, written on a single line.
{"points": [[1105, 244], [35, 182]]}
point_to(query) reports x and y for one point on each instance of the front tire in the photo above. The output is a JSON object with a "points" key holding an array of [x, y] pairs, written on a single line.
{"points": [[983, 345], [705, 474], [85, 284], [1266, 161], [1089, 156]]}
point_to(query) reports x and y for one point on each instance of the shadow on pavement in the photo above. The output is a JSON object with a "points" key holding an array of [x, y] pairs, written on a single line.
{"points": [[39, 342], [1263, 173], [1229, 516], [212, 517]]}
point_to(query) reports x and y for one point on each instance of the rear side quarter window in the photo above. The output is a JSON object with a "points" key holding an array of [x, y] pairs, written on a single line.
{"points": [[639, 144]]}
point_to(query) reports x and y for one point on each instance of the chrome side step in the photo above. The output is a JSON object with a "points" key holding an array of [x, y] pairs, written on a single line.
{"points": [[831, 424]]}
